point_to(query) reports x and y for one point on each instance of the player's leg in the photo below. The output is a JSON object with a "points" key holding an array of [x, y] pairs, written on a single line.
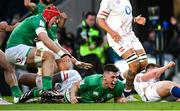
{"points": [[46, 59], [167, 88], [10, 76], [125, 50], [64, 79], [140, 52], [28, 79]]}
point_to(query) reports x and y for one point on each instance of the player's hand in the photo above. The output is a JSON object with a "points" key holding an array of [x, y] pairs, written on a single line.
{"points": [[115, 36], [74, 100], [83, 65], [140, 20], [171, 64], [122, 100]]}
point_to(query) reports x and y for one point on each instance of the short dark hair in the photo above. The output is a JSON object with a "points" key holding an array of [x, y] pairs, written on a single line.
{"points": [[90, 13], [110, 67], [151, 65]]}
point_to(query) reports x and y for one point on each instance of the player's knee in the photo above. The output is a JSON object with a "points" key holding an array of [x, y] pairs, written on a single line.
{"points": [[9, 69], [143, 61], [169, 85], [47, 55], [134, 67]]}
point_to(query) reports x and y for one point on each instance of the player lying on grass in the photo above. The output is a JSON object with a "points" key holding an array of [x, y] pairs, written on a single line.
{"points": [[9, 72], [150, 89], [97, 88]]}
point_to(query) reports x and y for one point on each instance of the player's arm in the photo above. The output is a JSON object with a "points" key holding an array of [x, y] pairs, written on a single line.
{"points": [[74, 89], [10, 28], [5, 27], [156, 73], [30, 5], [102, 23], [42, 36], [74, 60]]}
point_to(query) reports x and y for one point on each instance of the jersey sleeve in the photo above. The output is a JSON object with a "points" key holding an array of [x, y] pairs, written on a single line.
{"points": [[104, 9], [38, 25], [118, 89], [35, 11], [138, 78], [52, 36], [84, 84]]}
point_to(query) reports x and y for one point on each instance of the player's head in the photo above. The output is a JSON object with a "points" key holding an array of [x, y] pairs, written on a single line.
{"points": [[47, 2], [151, 66], [90, 18], [111, 72], [50, 12]]}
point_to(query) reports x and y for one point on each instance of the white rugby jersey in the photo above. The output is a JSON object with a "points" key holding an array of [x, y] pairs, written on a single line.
{"points": [[139, 85], [118, 15]]}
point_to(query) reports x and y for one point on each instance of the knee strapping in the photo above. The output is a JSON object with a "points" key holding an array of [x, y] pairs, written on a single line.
{"points": [[38, 57], [142, 57], [131, 58]]}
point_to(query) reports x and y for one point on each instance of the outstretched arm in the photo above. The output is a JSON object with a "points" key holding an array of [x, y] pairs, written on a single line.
{"points": [[30, 5], [157, 72], [74, 60], [7, 28]]}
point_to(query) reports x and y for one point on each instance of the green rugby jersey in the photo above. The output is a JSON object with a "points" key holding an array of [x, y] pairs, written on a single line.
{"points": [[25, 32], [91, 90]]}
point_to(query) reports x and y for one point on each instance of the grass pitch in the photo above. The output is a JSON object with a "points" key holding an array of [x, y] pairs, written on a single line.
{"points": [[95, 106]]}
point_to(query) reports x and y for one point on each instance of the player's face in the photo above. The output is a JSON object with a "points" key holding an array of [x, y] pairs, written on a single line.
{"points": [[111, 79], [91, 20], [52, 21]]}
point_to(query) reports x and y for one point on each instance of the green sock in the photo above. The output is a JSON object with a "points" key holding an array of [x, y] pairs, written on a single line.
{"points": [[47, 82], [36, 92], [16, 92]]}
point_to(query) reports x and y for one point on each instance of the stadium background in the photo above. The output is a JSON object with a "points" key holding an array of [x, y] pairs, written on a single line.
{"points": [[13, 10]]}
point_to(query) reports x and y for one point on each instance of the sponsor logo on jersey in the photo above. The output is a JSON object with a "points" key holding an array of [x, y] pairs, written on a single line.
{"points": [[41, 23], [109, 95], [95, 93]]}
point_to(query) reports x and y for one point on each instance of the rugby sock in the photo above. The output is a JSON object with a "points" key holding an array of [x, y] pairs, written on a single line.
{"points": [[35, 92], [16, 92], [47, 82], [175, 91], [127, 92]]}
